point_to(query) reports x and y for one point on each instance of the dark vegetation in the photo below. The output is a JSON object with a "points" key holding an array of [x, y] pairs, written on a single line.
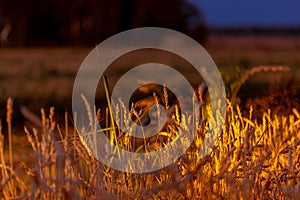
{"points": [[80, 22]]}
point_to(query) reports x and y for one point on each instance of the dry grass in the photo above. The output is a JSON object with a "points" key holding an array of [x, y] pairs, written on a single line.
{"points": [[252, 72], [251, 160], [256, 156]]}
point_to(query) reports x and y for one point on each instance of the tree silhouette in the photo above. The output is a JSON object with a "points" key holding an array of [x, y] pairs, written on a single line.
{"points": [[90, 22]]}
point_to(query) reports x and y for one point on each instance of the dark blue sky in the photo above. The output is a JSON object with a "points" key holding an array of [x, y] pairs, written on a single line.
{"points": [[250, 12]]}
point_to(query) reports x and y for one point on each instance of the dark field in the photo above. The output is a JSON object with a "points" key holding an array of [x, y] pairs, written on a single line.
{"points": [[39, 77]]}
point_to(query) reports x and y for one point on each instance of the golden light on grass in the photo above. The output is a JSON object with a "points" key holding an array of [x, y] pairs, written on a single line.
{"points": [[254, 158], [9, 112]]}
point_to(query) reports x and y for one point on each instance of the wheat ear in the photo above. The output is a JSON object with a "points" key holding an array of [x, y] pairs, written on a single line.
{"points": [[254, 71]]}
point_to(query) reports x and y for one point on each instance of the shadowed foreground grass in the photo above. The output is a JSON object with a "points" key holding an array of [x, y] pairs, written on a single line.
{"points": [[253, 159]]}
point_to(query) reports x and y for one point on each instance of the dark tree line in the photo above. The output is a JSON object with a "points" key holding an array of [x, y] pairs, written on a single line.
{"points": [[91, 21]]}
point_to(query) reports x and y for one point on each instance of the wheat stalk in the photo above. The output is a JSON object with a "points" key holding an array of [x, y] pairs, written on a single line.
{"points": [[264, 156], [254, 71], [9, 108]]}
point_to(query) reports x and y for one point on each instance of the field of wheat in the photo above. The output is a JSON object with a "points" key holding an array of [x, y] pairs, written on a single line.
{"points": [[254, 158], [257, 155]]}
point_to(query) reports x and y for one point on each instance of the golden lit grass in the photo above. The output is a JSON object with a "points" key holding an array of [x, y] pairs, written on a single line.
{"points": [[253, 159]]}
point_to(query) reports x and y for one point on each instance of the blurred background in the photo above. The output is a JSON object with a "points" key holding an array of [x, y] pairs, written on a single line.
{"points": [[43, 42], [32, 22]]}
